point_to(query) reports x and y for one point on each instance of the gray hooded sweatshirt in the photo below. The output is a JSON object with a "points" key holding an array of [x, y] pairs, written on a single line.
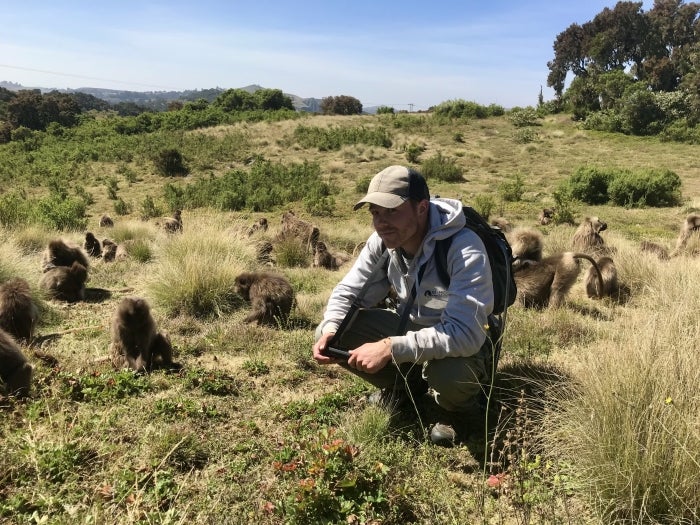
{"points": [[455, 318]]}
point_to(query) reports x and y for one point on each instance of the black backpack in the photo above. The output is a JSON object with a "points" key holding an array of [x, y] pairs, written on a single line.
{"points": [[500, 258]]}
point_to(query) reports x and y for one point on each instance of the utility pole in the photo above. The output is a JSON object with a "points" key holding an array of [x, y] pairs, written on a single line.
{"points": [[410, 107]]}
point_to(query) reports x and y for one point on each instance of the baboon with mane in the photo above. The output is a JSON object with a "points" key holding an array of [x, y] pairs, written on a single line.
{"points": [[503, 224], [15, 370], [691, 224], [135, 341], [527, 244], [292, 226], [587, 238], [18, 312], [270, 295], [546, 283], [59, 253]]}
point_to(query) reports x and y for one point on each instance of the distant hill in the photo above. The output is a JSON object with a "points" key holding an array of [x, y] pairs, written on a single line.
{"points": [[158, 100]]}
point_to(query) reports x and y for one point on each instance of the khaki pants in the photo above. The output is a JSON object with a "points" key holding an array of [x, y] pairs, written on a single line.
{"points": [[455, 382]]}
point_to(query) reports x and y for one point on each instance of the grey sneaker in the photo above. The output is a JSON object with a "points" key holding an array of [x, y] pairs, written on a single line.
{"points": [[443, 435]]}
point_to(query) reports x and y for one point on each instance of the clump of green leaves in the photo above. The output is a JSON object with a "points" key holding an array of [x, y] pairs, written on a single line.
{"points": [[333, 138], [441, 168], [513, 189], [170, 163]]}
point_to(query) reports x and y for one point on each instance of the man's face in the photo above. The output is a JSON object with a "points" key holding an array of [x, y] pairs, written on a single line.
{"points": [[400, 226]]}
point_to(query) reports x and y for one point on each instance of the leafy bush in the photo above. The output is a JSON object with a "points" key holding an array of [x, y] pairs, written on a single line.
{"points": [[413, 151], [170, 163], [362, 184], [465, 109], [522, 117], [441, 168], [512, 190], [15, 210], [651, 187], [484, 205], [333, 138], [121, 207], [640, 114], [291, 252], [589, 184], [60, 213], [149, 209], [525, 135], [385, 110]]}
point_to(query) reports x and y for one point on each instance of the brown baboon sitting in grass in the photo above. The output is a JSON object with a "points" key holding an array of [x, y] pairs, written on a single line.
{"points": [[294, 227], [546, 283], [655, 248], [18, 312], [263, 253], [65, 283], [609, 285], [690, 225], [106, 221], [323, 258], [60, 253], [109, 250], [270, 295], [92, 245], [15, 370], [174, 223], [260, 225], [587, 238], [135, 341], [546, 216]]}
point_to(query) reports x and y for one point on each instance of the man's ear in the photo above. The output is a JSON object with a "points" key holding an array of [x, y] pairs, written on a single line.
{"points": [[423, 206]]}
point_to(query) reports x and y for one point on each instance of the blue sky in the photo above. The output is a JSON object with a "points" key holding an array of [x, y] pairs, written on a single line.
{"points": [[403, 54]]}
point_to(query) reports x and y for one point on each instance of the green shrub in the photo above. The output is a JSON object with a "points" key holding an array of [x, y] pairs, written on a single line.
{"points": [[525, 135], [564, 208], [121, 207], [15, 209], [523, 117], [512, 190], [441, 168], [461, 109], [333, 138], [61, 213], [385, 110], [362, 184], [149, 209], [484, 205], [170, 163], [589, 184], [413, 151], [651, 187], [291, 252]]}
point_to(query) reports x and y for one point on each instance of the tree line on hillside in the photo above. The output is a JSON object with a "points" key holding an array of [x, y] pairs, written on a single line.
{"points": [[634, 72]]}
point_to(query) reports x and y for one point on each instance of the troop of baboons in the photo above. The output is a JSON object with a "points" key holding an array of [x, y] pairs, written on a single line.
{"points": [[136, 343]]}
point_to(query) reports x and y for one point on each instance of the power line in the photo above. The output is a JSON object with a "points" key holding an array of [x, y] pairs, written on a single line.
{"points": [[83, 76]]}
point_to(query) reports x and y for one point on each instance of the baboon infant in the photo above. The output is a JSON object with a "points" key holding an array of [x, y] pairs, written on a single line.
{"points": [[59, 253], [135, 342], [270, 295], [15, 370], [65, 283], [18, 312], [92, 245]]}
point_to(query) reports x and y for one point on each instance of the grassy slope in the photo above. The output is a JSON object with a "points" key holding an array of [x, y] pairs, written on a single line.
{"points": [[206, 445]]}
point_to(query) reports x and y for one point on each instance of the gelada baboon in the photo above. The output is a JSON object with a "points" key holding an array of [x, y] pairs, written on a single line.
{"points": [[92, 245], [135, 341], [546, 215], [15, 370], [527, 244], [587, 237], [65, 283], [547, 282], [258, 226], [106, 221], [109, 250], [263, 253], [608, 286], [655, 248], [323, 258], [690, 225], [270, 295], [18, 312], [174, 223], [59, 253], [502, 223], [292, 226]]}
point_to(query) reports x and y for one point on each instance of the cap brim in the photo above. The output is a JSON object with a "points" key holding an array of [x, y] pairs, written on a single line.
{"points": [[385, 200]]}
